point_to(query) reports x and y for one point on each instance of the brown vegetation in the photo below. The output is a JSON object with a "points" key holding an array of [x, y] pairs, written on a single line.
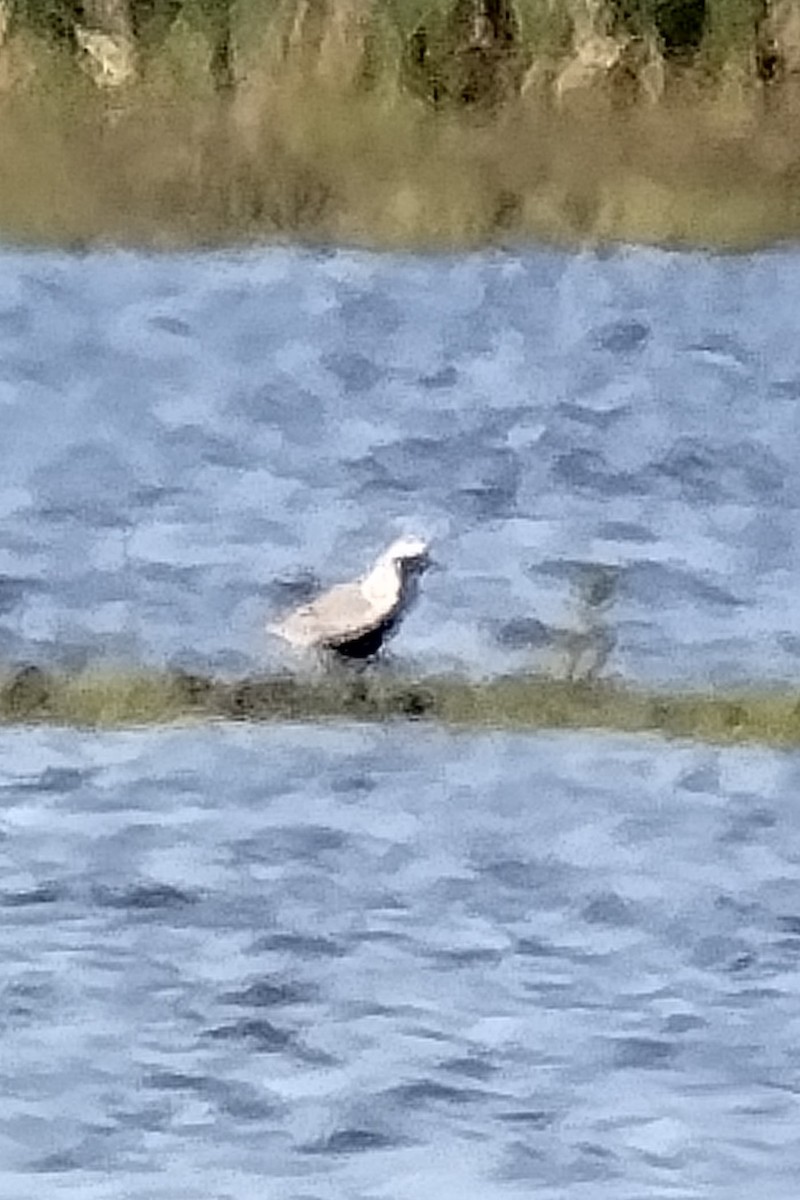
{"points": [[474, 122]]}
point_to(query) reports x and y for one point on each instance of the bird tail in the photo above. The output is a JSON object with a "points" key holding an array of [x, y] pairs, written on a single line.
{"points": [[289, 630]]}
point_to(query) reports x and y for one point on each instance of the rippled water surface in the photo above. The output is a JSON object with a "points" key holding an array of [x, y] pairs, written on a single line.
{"points": [[184, 436], [396, 963]]}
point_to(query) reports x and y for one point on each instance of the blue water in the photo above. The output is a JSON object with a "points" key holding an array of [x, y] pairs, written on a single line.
{"points": [[396, 963], [186, 437]]}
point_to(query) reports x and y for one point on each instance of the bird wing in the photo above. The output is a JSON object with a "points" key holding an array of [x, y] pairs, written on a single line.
{"points": [[343, 613]]}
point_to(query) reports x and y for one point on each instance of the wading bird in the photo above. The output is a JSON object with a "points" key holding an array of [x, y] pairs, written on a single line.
{"points": [[353, 620]]}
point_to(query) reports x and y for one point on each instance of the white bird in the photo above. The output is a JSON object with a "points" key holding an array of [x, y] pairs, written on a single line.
{"points": [[354, 619]]}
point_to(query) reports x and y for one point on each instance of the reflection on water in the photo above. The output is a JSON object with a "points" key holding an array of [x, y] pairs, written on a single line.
{"points": [[395, 962], [194, 437]]}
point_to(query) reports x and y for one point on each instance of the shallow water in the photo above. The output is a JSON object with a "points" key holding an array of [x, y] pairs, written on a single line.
{"points": [[185, 436], [394, 962]]}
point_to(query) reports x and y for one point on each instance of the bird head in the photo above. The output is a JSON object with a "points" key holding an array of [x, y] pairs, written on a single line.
{"points": [[409, 554]]}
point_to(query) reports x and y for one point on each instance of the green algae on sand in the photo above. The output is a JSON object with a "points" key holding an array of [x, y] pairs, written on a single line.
{"points": [[106, 699]]}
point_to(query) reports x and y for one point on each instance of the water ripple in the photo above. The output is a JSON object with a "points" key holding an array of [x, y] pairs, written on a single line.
{"points": [[264, 417]]}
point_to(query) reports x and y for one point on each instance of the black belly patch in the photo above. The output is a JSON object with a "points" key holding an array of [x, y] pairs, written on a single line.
{"points": [[367, 645]]}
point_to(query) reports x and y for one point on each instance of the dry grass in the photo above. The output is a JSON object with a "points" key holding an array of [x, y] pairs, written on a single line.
{"points": [[169, 163]]}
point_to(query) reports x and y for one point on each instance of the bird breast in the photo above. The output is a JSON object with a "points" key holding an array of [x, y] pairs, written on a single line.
{"points": [[383, 587]]}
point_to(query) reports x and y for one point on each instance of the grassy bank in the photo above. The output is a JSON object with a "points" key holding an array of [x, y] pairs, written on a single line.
{"points": [[308, 148], [346, 172], [111, 700]]}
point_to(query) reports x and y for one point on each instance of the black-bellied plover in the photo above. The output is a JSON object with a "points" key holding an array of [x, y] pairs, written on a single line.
{"points": [[353, 620]]}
